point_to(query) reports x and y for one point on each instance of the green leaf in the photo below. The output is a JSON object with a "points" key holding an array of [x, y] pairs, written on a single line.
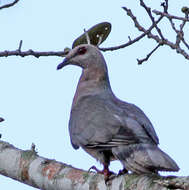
{"points": [[97, 34]]}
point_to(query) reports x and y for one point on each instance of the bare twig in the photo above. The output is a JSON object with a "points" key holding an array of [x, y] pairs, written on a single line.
{"points": [[157, 38], [170, 44], [184, 42], [170, 16], [133, 17], [160, 39], [30, 52], [123, 45], [20, 46], [180, 33], [165, 6], [184, 22], [140, 61], [148, 10], [9, 5], [129, 12], [173, 25]]}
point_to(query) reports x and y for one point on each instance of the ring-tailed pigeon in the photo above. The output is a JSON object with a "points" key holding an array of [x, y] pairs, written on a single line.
{"points": [[106, 127]]}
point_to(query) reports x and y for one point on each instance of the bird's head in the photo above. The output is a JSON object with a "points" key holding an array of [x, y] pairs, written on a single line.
{"points": [[85, 56]]}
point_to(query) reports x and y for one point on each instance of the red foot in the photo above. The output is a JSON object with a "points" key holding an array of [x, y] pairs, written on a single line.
{"points": [[106, 172]]}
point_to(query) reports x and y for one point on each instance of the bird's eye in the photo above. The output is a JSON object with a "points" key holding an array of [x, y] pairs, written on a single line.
{"points": [[82, 50]]}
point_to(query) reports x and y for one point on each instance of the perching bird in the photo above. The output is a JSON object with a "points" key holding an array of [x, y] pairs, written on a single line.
{"points": [[106, 127]]}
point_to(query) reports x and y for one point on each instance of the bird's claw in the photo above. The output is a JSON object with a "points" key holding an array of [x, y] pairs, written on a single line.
{"points": [[94, 168], [106, 172]]}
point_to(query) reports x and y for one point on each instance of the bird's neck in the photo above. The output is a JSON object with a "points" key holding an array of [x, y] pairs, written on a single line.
{"points": [[92, 81]]}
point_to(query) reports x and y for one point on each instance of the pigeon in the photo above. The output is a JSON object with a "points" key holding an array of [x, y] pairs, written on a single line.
{"points": [[106, 127]]}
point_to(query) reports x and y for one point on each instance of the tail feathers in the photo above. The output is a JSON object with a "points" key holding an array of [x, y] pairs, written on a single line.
{"points": [[144, 158]]}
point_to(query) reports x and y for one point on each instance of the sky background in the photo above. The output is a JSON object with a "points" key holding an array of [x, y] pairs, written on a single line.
{"points": [[35, 98]]}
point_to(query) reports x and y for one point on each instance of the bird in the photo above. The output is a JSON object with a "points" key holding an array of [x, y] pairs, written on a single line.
{"points": [[106, 127]]}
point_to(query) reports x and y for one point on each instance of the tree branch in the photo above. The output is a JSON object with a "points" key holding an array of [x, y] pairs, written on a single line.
{"points": [[9, 5], [129, 13], [140, 61], [29, 168], [30, 52], [160, 39], [148, 10], [170, 16], [165, 6]]}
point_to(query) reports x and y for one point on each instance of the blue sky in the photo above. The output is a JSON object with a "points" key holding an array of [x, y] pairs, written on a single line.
{"points": [[35, 98]]}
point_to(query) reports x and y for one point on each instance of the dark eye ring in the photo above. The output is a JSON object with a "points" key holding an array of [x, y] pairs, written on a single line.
{"points": [[82, 50]]}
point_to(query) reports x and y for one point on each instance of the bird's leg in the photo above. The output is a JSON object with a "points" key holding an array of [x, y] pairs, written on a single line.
{"points": [[106, 172], [106, 162]]}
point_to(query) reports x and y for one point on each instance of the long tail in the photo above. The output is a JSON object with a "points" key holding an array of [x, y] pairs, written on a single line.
{"points": [[144, 158]]}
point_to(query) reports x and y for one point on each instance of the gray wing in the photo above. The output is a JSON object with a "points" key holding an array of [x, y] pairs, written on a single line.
{"points": [[137, 114], [98, 122]]}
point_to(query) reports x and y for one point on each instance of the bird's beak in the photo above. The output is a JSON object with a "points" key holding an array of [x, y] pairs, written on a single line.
{"points": [[63, 64]]}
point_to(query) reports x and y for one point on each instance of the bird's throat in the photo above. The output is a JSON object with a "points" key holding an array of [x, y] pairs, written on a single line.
{"points": [[97, 75], [92, 81]]}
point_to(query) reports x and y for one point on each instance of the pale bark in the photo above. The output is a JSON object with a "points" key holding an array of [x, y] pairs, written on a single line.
{"points": [[29, 168]]}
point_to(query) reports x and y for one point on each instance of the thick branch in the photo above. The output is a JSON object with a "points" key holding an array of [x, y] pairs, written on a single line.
{"points": [[9, 5], [29, 168]]}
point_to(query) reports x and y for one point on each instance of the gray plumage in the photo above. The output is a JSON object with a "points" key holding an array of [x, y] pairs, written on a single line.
{"points": [[106, 127]]}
